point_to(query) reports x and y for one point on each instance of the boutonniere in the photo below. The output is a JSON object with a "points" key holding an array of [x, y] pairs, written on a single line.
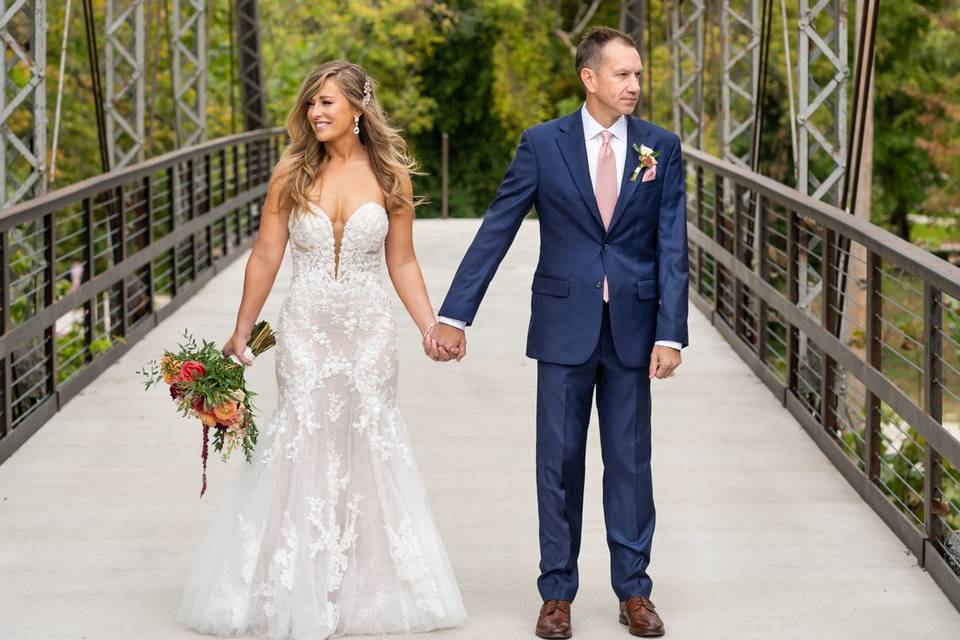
{"points": [[647, 158]]}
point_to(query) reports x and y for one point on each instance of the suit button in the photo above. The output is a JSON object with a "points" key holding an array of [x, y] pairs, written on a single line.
{"points": [[606, 246], [598, 284]]}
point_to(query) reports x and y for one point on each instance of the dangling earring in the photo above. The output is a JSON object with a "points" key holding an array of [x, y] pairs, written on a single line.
{"points": [[356, 125]]}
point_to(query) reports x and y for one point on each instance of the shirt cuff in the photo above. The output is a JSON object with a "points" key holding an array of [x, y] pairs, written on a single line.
{"points": [[459, 324], [665, 343]]}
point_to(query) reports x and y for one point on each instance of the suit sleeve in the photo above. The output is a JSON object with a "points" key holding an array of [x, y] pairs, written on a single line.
{"points": [[512, 202], [672, 258]]}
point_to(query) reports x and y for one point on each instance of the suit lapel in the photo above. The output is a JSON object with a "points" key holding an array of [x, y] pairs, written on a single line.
{"points": [[573, 150], [636, 128]]}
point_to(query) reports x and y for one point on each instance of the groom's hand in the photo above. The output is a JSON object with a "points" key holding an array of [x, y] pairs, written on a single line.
{"points": [[663, 361], [450, 341]]}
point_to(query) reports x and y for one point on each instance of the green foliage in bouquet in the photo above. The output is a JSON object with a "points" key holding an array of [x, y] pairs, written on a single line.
{"points": [[210, 386]]}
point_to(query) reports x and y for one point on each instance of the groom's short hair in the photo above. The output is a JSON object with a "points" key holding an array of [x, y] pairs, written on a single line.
{"points": [[590, 47]]}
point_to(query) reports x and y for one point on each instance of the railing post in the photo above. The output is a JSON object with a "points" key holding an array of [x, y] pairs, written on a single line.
{"points": [[224, 194], [208, 172], [764, 270], [719, 234], [828, 318], [235, 151], [91, 304], [208, 183], [122, 209], [246, 166], [148, 213], [793, 294], [173, 187], [737, 257], [192, 166], [738, 243], [700, 225], [253, 178], [49, 295], [933, 403], [192, 188], [7, 424], [223, 174], [871, 435]]}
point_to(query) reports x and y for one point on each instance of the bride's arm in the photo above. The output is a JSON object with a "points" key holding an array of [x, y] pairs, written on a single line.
{"points": [[263, 263], [403, 266]]}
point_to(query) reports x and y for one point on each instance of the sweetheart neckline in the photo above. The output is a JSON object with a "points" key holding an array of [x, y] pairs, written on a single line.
{"points": [[333, 236], [349, 218]]}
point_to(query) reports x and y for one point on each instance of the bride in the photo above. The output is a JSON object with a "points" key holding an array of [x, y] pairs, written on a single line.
{"points": [[329, 532]]}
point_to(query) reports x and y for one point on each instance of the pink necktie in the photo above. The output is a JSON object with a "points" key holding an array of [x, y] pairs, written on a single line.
{"points": [[606, 189]]}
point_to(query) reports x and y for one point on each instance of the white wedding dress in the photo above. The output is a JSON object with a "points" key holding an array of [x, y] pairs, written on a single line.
{"points": [[329, 531]]}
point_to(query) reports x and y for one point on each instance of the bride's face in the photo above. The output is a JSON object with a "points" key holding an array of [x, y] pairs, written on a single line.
{"points": [[330, 113]]}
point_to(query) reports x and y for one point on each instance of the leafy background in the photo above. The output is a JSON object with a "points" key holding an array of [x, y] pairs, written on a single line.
{"points": [[483, 70]]}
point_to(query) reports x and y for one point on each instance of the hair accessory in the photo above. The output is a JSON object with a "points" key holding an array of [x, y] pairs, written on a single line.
{"points": [[367, 92]]}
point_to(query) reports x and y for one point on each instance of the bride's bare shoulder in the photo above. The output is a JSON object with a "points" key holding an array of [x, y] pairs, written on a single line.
{"points": [[279, 199]]}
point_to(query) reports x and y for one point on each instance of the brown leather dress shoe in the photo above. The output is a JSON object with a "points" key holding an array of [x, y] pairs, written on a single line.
{"points": [[554, 620], [639, 614]]}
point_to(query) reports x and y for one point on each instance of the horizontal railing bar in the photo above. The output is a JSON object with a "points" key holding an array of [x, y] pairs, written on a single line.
{"points": [[117, 273], [892, 248], [54, 200]]}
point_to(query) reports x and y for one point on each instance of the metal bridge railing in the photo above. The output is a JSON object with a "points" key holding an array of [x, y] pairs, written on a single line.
{"points": [[89, 269], [855, 330]]}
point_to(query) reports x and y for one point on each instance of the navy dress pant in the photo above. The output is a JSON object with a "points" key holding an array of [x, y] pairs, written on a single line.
{"points": [[564, 401]]}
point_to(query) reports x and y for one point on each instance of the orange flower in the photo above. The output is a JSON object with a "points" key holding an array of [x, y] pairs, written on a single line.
{"points": [[208, 419], [170, 367], [227, 412], [206, 414]]}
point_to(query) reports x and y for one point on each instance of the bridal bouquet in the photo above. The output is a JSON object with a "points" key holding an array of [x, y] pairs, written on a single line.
{"points": [[207, 385]]}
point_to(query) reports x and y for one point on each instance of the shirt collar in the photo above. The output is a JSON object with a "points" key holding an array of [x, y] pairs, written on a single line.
{"points": [[592, 128]]}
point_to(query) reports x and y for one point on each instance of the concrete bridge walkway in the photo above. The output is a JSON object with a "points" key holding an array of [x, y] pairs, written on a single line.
{"points": [[757, 535]]}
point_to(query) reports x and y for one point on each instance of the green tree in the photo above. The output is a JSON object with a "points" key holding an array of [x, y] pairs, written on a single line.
{"points": [[916, 84]]}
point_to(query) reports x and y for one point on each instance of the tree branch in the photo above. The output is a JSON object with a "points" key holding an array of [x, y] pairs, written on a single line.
{"points": [[581, 19], [583, 23]]}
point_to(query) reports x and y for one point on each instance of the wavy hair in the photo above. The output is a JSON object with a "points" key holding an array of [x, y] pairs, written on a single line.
{"points": [[304, 157]]}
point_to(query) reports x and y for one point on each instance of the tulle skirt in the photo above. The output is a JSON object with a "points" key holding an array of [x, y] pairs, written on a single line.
{"points": [[328, 532]]}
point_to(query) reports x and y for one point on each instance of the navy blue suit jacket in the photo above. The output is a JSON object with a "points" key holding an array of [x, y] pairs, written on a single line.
{"points": [[643, 254]]}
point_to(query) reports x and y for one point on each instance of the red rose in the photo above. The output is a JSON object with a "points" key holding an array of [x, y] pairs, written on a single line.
{"points": [[191, 370]]}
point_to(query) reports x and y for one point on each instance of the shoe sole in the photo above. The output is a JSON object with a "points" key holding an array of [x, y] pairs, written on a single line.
{"points": [[556, 636], [652, 634]]}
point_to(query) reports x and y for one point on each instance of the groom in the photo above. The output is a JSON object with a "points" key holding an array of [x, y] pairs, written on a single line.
{"points": [[609, 312]]}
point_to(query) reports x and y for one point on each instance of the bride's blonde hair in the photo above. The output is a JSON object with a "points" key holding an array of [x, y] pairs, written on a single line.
{"points": [[304, 157]]}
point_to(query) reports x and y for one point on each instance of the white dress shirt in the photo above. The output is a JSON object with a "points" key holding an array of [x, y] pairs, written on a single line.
{"points": [[591, 132]]}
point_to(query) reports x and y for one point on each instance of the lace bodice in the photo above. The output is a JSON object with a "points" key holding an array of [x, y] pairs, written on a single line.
{"points": [[314, 250]]}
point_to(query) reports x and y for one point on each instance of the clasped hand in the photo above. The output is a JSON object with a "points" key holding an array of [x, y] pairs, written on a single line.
{"points": [[443, 342]]}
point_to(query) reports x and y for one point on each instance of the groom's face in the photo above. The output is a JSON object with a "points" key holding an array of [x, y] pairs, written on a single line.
{"points": [[616, 83]]}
